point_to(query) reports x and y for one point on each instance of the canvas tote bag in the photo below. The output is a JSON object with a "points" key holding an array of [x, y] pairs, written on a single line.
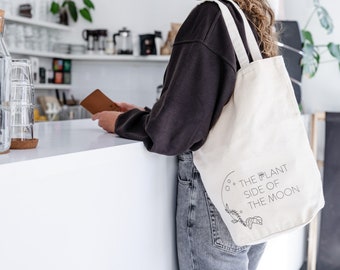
{"points": [[257, 165]]}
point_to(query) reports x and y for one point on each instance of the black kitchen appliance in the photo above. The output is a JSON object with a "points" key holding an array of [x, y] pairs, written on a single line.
{"points": [[90, 36], [147, 44]]}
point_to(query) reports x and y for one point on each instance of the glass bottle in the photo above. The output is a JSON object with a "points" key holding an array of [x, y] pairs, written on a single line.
{"points": [[5, 87]]}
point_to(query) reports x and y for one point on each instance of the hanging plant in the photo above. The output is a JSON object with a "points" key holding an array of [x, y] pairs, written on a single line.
{"points": [[73, 10], [312, 52]]}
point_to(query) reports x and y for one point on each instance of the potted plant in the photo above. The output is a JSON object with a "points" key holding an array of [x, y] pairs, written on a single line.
{"points": [[312, 52], [68, 6]]}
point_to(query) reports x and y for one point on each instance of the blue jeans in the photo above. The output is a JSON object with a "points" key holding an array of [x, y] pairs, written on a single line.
{"points": [[203, 240]]}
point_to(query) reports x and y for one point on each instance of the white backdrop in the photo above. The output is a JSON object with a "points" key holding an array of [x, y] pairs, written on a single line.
{"points": [[321, 93]]}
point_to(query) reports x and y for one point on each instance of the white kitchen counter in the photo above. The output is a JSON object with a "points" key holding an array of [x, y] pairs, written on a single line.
{"points": [[65, 137], [86, 199]]}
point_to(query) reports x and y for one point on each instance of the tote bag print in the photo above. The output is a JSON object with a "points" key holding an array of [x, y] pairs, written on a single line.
{"points": [[258, 190], [256, 164]]}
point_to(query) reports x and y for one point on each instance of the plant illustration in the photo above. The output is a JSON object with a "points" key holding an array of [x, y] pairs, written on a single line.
{"points": [[73, 10], [312, 52], [236, 217]]}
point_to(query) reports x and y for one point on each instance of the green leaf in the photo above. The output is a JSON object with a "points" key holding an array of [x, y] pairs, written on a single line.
{"points": [[86, 14], [88, 3], [55, 7], [307, 37], [310, 60], [334, 50], [72, 8], [324, 19]]}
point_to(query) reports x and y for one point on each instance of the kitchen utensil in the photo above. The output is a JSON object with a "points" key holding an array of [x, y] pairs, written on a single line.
{"points": [[102, 35], [90, 36], [50, 106], [147, 44], [123, 41], [158, 42], [109, 47]]}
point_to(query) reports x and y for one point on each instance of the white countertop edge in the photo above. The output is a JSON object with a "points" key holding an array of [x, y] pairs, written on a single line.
{"points": [[61, 138]]}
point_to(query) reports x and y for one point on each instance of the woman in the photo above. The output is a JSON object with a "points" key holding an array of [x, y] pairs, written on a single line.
{"points": [[198, 82]]}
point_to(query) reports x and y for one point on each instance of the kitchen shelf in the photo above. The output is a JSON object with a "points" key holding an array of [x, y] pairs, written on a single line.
{"points": [[52, 86], [24, 20], [132, 58], [39, 53], [93, 57]]}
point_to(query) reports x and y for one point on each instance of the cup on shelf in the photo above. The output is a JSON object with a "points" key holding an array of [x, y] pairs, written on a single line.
{"points": [[19, 36], [43, 39], [10, 35]]}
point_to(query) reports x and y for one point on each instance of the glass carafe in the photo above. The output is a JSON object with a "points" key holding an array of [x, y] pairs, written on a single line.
{"points": [[123, 41], [5, 87]]}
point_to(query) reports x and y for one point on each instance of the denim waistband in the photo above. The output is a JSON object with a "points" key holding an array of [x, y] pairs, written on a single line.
{"points": [[186, 156]]}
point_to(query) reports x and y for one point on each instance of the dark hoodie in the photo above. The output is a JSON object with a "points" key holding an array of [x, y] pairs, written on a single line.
{"points": [[198, 82]]}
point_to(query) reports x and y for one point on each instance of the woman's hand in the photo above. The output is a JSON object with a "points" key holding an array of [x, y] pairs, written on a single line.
{"points": [[127, 107], [107, 120]]}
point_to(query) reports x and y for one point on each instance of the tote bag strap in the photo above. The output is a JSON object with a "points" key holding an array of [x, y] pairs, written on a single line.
{"points": [[251, 40], [235, 35]]}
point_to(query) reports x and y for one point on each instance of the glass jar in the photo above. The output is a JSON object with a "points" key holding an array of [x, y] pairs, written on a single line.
{"points": [[5, 88]]}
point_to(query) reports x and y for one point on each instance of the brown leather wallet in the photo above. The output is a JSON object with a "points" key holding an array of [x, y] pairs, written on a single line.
{"points": [[97, 101]]}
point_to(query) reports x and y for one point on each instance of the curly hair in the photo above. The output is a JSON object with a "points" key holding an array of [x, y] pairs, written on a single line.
{"points": [[262, 17]]}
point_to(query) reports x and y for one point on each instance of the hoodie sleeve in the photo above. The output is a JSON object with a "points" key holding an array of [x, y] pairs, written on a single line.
{"points": [[190, 101]]}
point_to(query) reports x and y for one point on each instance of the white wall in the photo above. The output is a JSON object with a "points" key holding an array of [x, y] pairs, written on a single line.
{"points": [[138, 16], [122, 81], [321, 93], [131, 82]]}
